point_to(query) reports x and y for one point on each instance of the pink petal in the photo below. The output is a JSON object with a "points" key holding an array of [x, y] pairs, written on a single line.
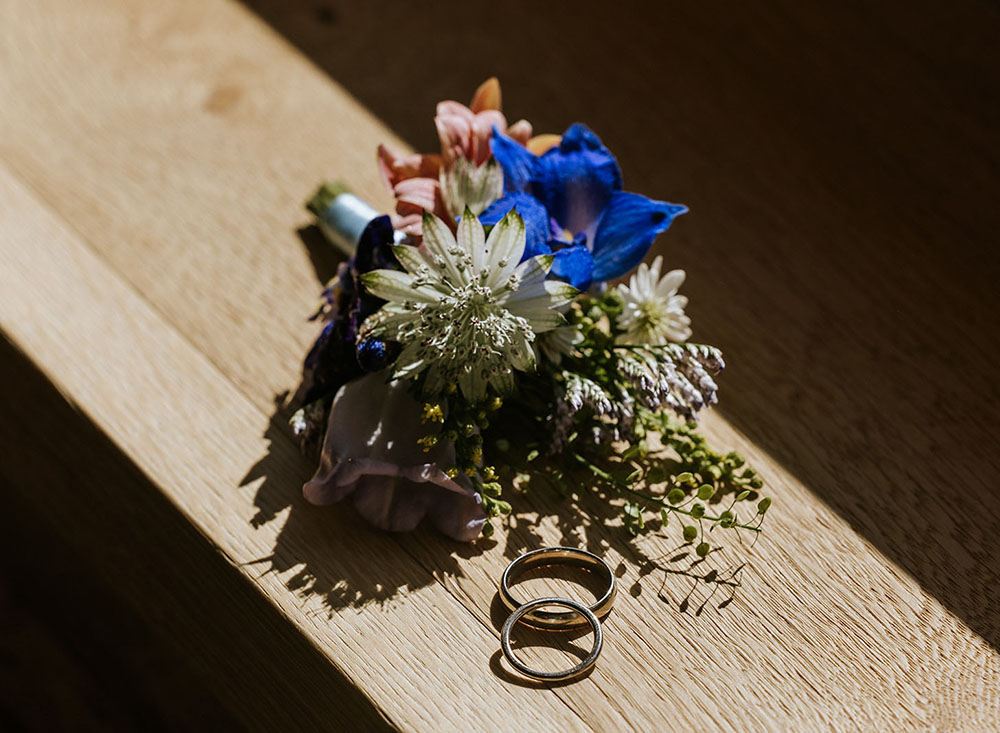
{"points": [[396, 168], [412, 224], [417, 194], [482, 131], [453, 109], [455, 133], [386, 158], [520, 131]]}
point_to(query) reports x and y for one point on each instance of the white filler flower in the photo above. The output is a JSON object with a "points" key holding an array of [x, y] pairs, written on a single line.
{"points": [[654, 312], [466, 311]]}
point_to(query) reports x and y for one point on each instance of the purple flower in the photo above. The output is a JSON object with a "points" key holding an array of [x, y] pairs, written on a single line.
{"points": [[336, 358], [371, 453], [573, 205]]}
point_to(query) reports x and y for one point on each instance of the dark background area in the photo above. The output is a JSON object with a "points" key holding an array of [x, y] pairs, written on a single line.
{"points": [[75, 657], [840, 163]]}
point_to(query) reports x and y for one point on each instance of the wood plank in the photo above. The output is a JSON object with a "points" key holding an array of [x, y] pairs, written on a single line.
{"points": [[192, 432], [184, 179], [839, 161]]}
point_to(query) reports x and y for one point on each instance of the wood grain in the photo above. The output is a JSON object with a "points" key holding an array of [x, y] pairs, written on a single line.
{"points": [[839, 161], [151, 268]]}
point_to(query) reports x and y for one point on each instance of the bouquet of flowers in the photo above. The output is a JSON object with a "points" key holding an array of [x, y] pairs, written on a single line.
{"points": [[473, 348]]}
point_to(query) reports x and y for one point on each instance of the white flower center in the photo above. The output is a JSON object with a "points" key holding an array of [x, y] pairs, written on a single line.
{"points": [[651, 313], [467, 330]]}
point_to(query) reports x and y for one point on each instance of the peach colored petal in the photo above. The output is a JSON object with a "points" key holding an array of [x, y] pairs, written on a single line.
{"points": [[487, 96], [482, 131], [540, 143], [430, 165], [520, 131]]}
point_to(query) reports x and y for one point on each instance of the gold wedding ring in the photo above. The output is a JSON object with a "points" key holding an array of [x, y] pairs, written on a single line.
{"points": [[545, 619]]}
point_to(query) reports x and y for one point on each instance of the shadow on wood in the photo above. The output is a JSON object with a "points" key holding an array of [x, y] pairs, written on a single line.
{"points": [[72, 477], [841, 245], [310, 538]]}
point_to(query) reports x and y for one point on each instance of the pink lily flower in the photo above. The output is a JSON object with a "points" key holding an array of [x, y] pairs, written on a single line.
{"points": [[465, 132]]}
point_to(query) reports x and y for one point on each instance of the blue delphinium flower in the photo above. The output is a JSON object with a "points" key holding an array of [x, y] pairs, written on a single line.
{"points": [[573, 205]]}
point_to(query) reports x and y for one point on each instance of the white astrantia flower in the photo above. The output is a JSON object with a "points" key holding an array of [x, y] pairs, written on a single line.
{"points": [[654, 312], [466, 311]]}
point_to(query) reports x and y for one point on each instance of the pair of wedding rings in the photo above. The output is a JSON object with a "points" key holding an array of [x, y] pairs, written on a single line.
{"points": [[534, 613]]}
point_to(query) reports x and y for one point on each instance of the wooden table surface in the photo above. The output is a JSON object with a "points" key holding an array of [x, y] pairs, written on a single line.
{"points": [[156, 267]]}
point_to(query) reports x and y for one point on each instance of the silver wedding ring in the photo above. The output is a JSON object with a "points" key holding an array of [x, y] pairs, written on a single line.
{"points": [[578, 609], [547, 556], [578, 615]]}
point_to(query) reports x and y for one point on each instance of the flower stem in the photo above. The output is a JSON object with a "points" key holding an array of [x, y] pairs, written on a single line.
{"points": [[601, 473]]}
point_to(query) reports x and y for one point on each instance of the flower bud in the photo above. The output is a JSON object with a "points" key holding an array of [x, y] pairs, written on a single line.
{"points": [[491, 488], [656, 475]]}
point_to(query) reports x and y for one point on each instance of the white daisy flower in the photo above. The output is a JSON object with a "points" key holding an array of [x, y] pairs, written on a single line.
{"points": [[466, 311], [654, 312]]}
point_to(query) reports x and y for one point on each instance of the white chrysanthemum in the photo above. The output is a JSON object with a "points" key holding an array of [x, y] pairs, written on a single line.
{"points": [[654, 312], [466, 311]]}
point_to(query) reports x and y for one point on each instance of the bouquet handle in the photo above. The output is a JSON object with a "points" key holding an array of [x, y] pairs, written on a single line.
{"points": [[341, 216]]}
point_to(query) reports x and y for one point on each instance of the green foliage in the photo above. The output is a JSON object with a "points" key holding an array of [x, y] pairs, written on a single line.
{"points": [[657, 465]]}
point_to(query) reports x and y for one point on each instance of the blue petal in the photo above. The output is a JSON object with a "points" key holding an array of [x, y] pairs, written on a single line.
{"points": [[517, 162], [628, 227], [576, 179], [536, 220], [574, 265], [580, 137]]}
